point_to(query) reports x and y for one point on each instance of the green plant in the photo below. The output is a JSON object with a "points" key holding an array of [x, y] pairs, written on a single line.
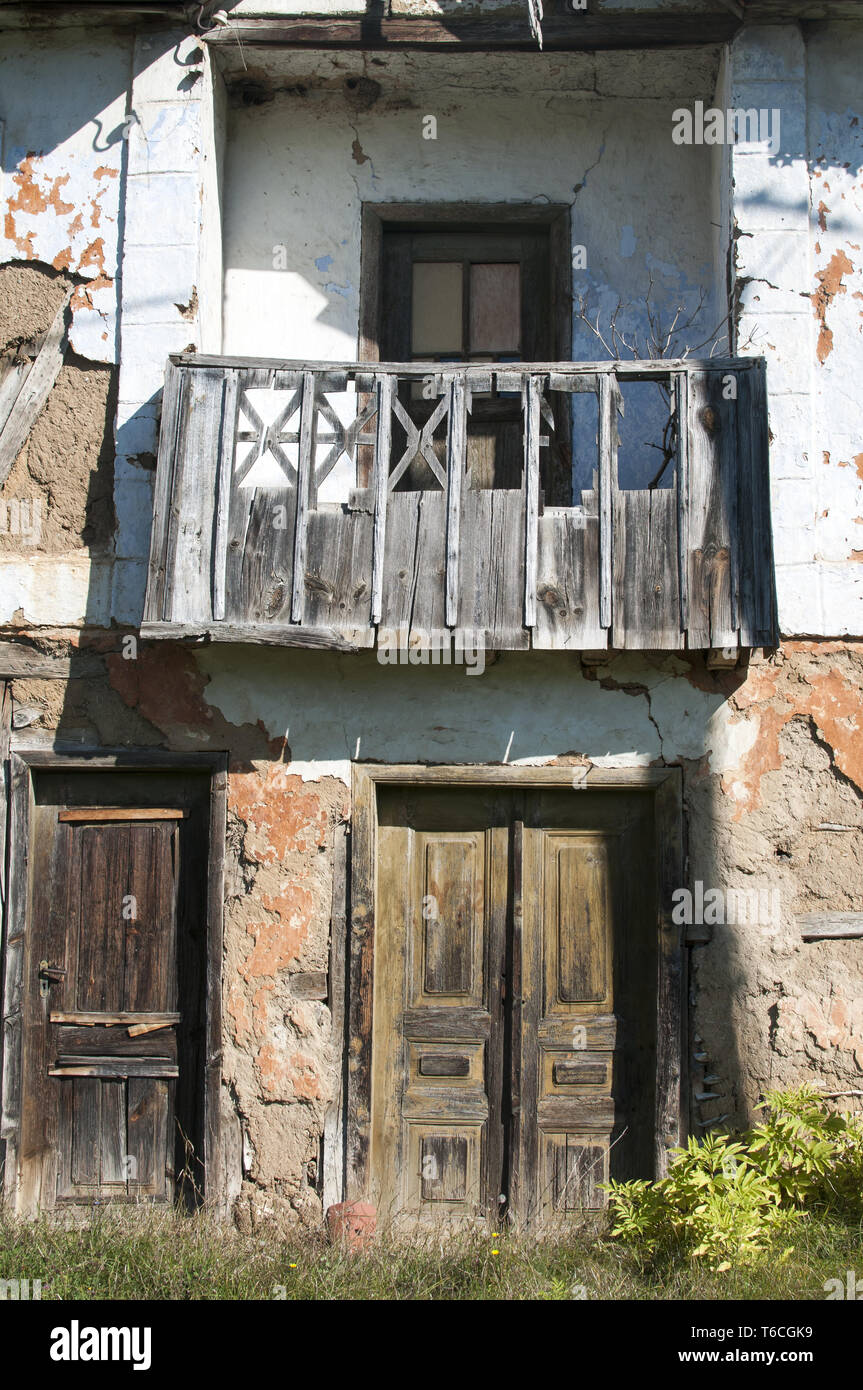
{"points": [[731, 1201]]}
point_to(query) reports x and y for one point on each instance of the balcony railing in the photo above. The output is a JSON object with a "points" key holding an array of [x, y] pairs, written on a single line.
{"points": [[314, 504]]}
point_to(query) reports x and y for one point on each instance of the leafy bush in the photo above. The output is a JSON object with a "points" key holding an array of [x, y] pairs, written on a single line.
{"points": [[732, 1200]]}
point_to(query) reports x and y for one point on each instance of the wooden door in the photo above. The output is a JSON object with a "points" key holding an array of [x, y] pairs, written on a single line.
{"points": [[514, 1038], [102, 1006], [584, 1000]]}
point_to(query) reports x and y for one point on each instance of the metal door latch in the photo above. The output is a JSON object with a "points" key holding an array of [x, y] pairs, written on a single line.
{"points": [[49, 975]]}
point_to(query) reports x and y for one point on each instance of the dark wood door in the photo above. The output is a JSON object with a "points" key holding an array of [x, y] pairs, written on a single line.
{"points": [[111, 1009], [514, 1034]]}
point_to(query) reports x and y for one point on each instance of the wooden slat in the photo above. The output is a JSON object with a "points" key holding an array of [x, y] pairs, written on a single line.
{"points": [[708, 513], [34, 389], [334, 988], [491, 572], [680, 399], [167, 462], [188, 588], [304, 485], [91, 1017], [385, 386], [583, 32], [261, 634], [456, 443], [114, 1068], [532, 398], [568, 580], [224, 479], [120, 813], [608, 440], [757, 616], [824, 926]]}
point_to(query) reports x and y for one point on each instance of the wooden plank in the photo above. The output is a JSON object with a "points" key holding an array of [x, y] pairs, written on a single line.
{"points": [[639, 369], [114, 1068], [456, 445], [19, 661], [215, 1175], [646, 599], [414, 578], [532, 397], [172, 410], [568, 579], [304, 488], [492, 567], [224, 480], [830, 926], [708, 513], [670, 1117], [188, 587], [260, 634], [338, 577], [385, 386], [119, 813], [88, 1040], [581, 33], [121, 1018], [757, 617], [680, 397], [609, 398], [34, 389], [335, 988]]}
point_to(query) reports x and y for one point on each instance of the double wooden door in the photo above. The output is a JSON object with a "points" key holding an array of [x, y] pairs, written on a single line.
{"points": [[514, 1015]]}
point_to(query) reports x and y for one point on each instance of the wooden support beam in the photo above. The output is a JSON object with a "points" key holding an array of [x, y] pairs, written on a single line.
{"points": [[380, 489], [32, 393], [608, 440], [262, 634], [305, 470], [532, 390], [456, 445], [564, 33], [21, 662]]}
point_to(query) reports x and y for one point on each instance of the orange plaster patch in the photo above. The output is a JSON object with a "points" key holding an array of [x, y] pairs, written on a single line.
{"points": [[829, 285], [278, 942], [289, 811]]}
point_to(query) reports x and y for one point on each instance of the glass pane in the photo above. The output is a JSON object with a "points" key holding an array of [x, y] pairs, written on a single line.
{"points": [[495, 308], [437, 307]]}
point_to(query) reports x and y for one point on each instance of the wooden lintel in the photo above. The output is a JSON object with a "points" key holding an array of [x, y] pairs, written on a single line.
{"points": [[21, 662], [270, 635], [568, 33]]}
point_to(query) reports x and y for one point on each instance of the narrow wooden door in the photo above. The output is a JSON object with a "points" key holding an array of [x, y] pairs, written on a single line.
{"points": [[439, 1005], [584, 1000], [101, 1012], [514, 1036]]}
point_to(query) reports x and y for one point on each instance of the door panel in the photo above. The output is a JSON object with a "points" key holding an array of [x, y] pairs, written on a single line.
{"points": [[113, 1002], [116, 1093], [437, 1041], [514, 1038]]}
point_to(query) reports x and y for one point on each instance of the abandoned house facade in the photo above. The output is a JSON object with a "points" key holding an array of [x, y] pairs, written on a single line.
{"points": [[431, 594]]}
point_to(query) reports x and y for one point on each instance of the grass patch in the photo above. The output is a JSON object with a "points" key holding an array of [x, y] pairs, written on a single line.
{"points": [[155, 1254]]}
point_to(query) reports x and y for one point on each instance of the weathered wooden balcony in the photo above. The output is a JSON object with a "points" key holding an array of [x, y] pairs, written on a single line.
{"points": [[311, 504]]}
